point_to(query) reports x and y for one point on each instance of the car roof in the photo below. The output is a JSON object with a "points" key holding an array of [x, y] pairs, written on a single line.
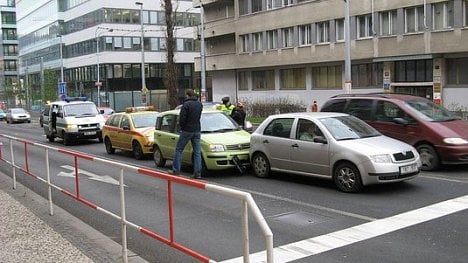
{"points": [[136, 112], [205, 110], [308, 114], [403, 97]]}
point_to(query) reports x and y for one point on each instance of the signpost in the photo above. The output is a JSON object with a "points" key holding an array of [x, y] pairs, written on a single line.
{"points": [[62, 90]]}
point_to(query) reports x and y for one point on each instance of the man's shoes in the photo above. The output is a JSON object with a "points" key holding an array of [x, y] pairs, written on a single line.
{"points": [[172, 172], [196, 176]]}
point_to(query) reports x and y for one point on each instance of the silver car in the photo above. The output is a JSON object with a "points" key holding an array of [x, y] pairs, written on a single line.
{"points": [[17, 115], [330, 145]]}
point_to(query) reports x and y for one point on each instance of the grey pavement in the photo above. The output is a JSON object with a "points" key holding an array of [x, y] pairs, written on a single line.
{"points": [[29, 234]]}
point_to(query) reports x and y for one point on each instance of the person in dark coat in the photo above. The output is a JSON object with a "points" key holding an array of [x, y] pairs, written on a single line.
{"points": [[238, 114], [190, 130]]}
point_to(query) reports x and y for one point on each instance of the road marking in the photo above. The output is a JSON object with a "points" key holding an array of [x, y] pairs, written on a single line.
{"points": [[320, 244], [445, 178], [92, 176]]}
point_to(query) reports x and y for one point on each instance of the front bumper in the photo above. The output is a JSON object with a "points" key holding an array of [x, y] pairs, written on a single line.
{"points": [[224, 160]]}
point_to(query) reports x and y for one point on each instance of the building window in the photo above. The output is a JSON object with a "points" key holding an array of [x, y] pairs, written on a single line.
{"points": [[388, 23], [288, 2], [327, 77], [413, 71], [242, 80], [287, 36], [256, 6], [304, 35], [294, 78], [272, 39], [9, 65], [465, 16], [323, 32], [263, 80], [442, 15], [243, 7], [339, 25], [245, 47], [456, 71], [367, 75], [364, 26], [257, 41], [271, 4], [10, 50], [414, 19]]}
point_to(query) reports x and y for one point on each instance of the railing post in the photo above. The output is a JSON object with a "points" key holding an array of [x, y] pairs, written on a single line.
{"points": [[245, 230], [49, 187], [123, 216], [13, 163]]}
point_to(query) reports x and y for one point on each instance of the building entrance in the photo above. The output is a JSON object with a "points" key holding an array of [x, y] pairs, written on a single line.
{"points": [[421, 91]]}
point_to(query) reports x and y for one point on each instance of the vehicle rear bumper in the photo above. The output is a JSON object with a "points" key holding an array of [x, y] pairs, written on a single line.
{"points": [[453, 154]]}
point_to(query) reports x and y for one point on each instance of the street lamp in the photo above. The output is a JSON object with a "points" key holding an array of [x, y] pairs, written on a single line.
{"points": [[202, 54], [348, 82], [98, 82], [61, 59], [144, 90]]}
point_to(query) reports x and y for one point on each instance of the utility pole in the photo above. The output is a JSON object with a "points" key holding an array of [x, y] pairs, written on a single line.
{"points": [[348, 82]]}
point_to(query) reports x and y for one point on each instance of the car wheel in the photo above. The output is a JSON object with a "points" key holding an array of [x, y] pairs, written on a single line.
{"points": [[108, 144], [51, 138], [137, 150], [429, 158], [100, 139], [261, 165], [347, 178], [66, 139], [158, 158]]}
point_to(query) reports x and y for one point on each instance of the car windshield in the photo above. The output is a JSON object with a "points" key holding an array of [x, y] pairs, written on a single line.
{"points": [[82, 109], [348, 128], [217, 122], [144, 120], [18, 111], [430, 111]]}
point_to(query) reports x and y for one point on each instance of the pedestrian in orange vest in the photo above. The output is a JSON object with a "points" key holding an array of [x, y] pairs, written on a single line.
{"points": [[314, 106]]}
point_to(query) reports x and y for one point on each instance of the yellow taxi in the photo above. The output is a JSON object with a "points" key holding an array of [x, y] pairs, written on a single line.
{"points": [[132, 130]]}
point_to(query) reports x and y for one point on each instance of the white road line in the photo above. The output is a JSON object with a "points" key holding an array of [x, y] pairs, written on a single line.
{"points": [[320, 244]]}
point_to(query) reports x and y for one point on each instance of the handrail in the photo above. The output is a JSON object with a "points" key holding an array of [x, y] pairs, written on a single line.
{"points": [[246, 199]]}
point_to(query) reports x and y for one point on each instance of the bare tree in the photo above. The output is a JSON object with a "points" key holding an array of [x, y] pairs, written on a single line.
{"points": [[170, 79]]}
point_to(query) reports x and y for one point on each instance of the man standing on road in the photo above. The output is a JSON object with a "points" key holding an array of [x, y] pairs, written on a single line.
{"points": [[190, 128]]}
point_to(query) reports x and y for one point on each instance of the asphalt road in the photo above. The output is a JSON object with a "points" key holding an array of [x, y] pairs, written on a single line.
{"points": [[404, 222]]}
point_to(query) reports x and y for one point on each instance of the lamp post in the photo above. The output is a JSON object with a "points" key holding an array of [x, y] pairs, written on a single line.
{"points": [[61, 59], [98, 82], [202, 55], [144, 90], [348, 82]]}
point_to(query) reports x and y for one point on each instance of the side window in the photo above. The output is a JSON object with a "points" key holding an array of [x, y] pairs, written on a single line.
{"points": [[279, 128], [125, 122], [46, 110], [387, 111], [307, 130], [168, 123], [360, 108], [334, 105]]}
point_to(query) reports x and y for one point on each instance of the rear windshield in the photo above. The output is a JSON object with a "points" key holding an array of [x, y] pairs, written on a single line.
{"points": [[429, 111]]}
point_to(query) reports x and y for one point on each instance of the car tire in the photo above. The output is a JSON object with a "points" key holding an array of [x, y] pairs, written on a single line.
{"points": [[347, 178], [108, 144], [100, 139], [429, 157], [51, 138], [261, 165], [158, 158], [137, 150], [66, 139]]}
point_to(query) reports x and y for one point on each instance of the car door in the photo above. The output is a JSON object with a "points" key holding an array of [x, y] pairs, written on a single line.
{"points": [[166, 134], [277, 142], [125, 133], [113, 130], [306, 155]]}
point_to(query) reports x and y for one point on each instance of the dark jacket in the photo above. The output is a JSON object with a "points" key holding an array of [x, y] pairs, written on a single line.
{"points": [[190, 114], [238, 116]]}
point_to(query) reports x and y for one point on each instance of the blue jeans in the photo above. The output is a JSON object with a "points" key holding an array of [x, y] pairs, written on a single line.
{"points": [[184, 138]]}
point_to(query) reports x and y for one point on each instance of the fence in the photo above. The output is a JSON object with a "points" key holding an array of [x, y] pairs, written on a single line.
{"points": [[245, 198]]}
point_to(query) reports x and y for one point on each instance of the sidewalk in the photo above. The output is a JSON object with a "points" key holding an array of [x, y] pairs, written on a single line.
{"points": [[29, 234]]}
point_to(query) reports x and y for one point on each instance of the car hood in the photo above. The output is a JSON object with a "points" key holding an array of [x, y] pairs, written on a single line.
{"points": [[226, 138], [86, 120], [377, 145], [146, 131], [451, 129]]}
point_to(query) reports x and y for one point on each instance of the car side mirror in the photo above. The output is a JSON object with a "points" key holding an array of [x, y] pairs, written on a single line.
{"points": [[126, 127], [400, 121], [248, 126], [320, 139]]}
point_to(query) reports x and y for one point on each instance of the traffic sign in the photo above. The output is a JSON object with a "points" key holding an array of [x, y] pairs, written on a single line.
{"points": [[98, 84], [62, 88]]}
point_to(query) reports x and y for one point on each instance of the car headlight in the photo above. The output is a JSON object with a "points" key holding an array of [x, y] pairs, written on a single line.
{"points": [[381, 158], [72, 126], [216, 148], [456, 141]]}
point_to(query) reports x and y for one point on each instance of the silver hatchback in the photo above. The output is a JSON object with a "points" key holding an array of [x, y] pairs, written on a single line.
{"points": [[330, 145]]}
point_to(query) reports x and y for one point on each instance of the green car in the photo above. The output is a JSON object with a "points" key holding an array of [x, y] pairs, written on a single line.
{"points": [[224, 145]]}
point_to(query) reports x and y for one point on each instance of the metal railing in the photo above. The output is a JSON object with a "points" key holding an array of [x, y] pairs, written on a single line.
{"points": [[247, 202]]}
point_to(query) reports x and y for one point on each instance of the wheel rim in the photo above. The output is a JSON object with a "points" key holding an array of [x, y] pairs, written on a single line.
{"points": [[157, 157], [260, 166], [108, 145], [137, 151], [427, 158], [346, 178]]}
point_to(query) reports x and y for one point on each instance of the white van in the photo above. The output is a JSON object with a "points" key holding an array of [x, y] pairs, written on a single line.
{"points": [[71, 120]]}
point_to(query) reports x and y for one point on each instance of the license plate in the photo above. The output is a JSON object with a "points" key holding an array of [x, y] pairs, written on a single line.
{"points": [[408, 169], [90, 133]]}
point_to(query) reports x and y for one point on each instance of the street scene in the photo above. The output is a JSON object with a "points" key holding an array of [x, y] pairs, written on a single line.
{"points": [[234, 131]]}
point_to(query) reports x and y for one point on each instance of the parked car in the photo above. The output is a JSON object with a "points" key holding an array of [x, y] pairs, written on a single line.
{"points": [[2, 115], [131, 130], [224, 145], [17, 115], [106, 112], [439, 136], [337, 146]]}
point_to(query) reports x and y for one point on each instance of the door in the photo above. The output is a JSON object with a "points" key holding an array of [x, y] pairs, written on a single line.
{"points": [[125, 133], [277, 143]]}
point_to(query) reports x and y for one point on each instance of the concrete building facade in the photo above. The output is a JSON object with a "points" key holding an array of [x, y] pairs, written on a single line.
{"points": [[73, 37], [270, 49], [10, 85]]}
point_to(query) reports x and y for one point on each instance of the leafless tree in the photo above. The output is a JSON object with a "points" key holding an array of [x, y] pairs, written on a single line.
{"points": [[170, 79]]}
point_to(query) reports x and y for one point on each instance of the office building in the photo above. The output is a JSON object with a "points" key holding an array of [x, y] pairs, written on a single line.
{"points": [[75, 37], [295, 49], [10, 87]]}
